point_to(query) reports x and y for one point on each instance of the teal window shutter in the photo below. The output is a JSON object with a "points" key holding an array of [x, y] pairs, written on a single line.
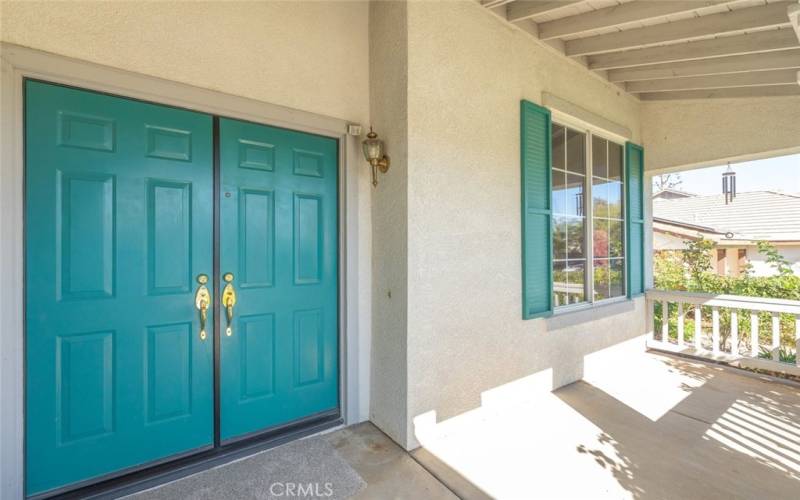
{"points": [[537, 268], [634, 203]]}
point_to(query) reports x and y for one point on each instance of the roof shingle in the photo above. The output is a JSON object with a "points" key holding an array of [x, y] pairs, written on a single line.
{"points": [[757, 215]]}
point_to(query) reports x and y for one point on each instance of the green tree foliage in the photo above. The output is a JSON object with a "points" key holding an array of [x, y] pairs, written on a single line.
{"points": [[697, 257]]}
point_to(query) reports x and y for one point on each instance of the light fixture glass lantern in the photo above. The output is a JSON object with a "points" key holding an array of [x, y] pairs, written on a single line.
{"points": [[373, 152]]}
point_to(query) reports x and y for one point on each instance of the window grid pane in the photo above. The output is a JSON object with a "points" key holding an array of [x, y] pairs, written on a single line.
{"points": [[572, 253], [569, 196], [608, 244]]}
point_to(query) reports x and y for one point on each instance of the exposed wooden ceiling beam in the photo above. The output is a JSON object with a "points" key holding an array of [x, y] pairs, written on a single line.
{"points": [[754, 79], [750, 43], [491, 4], [783, 59], [618, 15], [526, 9], [773, 91], [794, 17], [761, 17]]}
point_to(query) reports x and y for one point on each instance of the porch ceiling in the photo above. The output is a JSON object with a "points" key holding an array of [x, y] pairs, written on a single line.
{"points": [[672, 49]]}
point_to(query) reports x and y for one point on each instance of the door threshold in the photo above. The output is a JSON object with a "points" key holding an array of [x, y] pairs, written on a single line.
{"points": [[152, 476]]}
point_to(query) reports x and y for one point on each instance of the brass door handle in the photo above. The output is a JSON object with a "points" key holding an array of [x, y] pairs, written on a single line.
{"points": [[202, 299], [228, 301]]}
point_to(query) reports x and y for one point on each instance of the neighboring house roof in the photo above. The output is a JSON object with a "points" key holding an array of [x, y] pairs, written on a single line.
{"points": [[757, 215], [670, 194]]}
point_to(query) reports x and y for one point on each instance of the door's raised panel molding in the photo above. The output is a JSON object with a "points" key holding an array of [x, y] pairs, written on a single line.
{"points": [[256, 238], [84, 386], [169, 143], [308, 163], [257, 356], [309, 347], [79, 130], [86, 241], [168, 372], [169, 236], [256, 155], [308, 239]]}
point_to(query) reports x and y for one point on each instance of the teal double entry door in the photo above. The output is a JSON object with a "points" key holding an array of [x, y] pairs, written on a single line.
{"points": [[137, 351]]}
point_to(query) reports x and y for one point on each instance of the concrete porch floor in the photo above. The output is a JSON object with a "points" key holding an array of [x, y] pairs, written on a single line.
{"points": [[640, 425]]}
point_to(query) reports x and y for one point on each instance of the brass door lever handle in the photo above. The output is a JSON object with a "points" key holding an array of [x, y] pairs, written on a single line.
{"points": [[202, 299], [228, 301]]}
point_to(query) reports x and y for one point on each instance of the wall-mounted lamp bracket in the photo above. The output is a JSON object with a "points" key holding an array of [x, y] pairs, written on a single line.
{"points": [[373, 152]]}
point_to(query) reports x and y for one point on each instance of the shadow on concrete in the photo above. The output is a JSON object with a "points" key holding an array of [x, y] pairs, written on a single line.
{"points": [[638, 426]]}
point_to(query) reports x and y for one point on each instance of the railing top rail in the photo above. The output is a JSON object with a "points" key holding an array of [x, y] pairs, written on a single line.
{"points": [[728, 301]]}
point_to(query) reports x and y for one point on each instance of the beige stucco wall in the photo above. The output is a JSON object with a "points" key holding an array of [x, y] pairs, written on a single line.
{"points": [[306, 55], [682, 134], [468, 71], [389, 111]]}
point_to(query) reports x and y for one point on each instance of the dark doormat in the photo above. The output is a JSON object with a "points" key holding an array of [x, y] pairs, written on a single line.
{"points": [[308, 468]]}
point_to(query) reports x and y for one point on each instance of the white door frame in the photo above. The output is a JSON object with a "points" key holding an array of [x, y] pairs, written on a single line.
{"points": [[18, 63]]}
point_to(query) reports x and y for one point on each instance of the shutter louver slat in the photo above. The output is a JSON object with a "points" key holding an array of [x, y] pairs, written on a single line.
{"points": [[537, 279], [634, 178]]}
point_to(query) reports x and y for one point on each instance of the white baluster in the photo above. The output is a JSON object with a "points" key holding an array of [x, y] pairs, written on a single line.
{"points": [[734, 332], [797, 339], [680, 324], [754, 334], [715, 330], [664, 321], [698, 328], [651, 315], [776, 337]]}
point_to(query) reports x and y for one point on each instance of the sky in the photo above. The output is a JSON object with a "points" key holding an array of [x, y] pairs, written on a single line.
{"points": [[781, 173]]}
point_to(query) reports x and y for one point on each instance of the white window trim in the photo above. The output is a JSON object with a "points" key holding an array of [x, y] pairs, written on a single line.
{"points": [[589, 131]]}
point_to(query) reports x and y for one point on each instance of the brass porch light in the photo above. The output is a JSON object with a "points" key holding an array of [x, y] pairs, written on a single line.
{"points": [[373, 152]]}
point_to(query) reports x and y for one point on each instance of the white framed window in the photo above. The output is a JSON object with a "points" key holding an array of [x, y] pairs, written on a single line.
{"points": [[588, 213]]}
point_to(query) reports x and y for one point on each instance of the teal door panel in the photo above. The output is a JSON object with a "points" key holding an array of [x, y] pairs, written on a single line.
{"points": [[119, 224], [278, 206]]}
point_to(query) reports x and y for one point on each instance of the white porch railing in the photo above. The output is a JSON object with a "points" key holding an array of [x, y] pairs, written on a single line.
{"points": [[732, 338]]}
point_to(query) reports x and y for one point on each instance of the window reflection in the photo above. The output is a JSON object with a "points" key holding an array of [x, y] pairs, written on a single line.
{"points": [[559, 192], [569, 216], [559, 237], [576, 236], [617, 277], [600, 240], [599, 157], [614, 161], [559, 150], [616, 243], [608, 244], [601, 279], [576, 151], [574, 281], [576, 286], [574, 195], [600, 197], [614, 200]]}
